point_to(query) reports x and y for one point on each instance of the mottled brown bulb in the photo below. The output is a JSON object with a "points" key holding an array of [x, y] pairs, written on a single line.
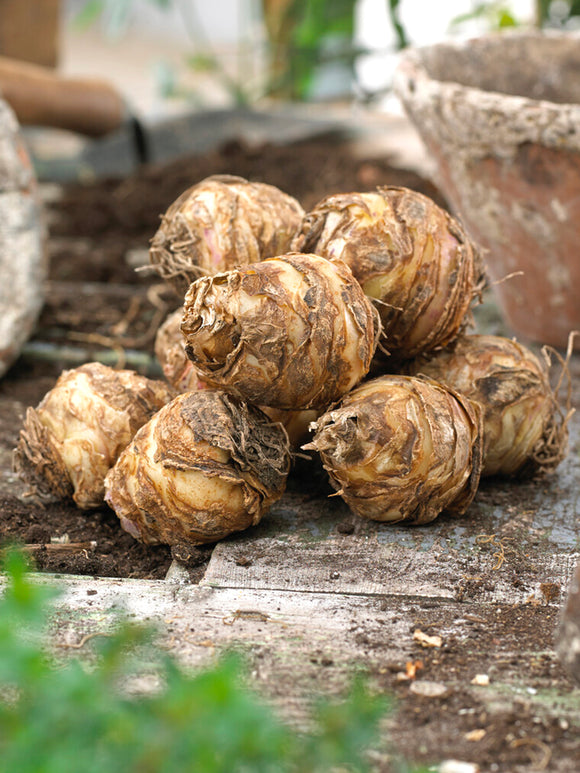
{"points": [[399, 448], [220, 223], [204, 466], [409, 255], [524, 427], [180, 371], [76, 433], [292, 332]]}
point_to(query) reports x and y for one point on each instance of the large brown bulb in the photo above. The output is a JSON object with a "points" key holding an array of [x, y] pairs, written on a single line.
{"points": [[220, 223], [75, 435], [399, 448], [293, 332], [525, 430], [408, 254], [205, 466]]}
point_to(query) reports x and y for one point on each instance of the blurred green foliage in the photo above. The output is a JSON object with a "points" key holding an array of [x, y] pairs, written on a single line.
{"points": [[115, 13], [312, 34], [556, 12], [305, 36], [79, 717], [498, 14]]}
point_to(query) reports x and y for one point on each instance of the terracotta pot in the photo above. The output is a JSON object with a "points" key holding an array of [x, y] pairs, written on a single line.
{"points": [[501, 116]]}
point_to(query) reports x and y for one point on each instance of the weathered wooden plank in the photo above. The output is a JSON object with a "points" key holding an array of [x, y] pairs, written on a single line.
{"points": [[518, 541], [195, 622], [300, 646]]}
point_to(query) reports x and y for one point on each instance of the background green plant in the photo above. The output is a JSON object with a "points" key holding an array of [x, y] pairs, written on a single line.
{"points": [[77, 717], [306, 35], [303, 36], [497, 14]]}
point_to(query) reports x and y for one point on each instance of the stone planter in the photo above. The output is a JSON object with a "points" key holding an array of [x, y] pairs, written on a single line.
{"points": [[23, 258], [501, 116]]}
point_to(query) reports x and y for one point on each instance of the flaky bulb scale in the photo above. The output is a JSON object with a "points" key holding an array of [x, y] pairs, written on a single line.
{"points": [[408, 254], [203, 467], [76, 433], [177, 368], [525, 430], [220, 223], [293, 332], [399, 448], [296, 423]]}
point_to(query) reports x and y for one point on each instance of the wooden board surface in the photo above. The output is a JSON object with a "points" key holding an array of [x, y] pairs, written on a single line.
{"points": [[515, 541]]}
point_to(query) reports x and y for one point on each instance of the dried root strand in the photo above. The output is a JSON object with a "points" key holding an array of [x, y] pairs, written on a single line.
{"points": [[553, 447], [220, 223], [293, 332], [76, 433], [525, 428], [399, 448], [39, 462], [204, 466], [409, 255]]}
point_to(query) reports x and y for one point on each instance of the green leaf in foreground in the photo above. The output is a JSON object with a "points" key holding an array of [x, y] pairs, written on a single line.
{"points": [[80, 717]]}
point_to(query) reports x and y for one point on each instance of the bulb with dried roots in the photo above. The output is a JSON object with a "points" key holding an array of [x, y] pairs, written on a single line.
{"points": [[409, 255], [524, 426], [399, 448], [222, 222], [294, 332], [205, 466], [75, 435]]}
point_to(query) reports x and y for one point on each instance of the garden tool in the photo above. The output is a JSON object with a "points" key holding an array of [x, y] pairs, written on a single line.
{"points": [[92, 107]]}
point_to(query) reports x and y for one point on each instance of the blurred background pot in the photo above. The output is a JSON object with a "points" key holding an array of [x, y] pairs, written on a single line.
{"points": [[500, 115]]}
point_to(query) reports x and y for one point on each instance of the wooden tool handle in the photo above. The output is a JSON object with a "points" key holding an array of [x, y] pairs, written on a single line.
{"points": [[40, 97]]}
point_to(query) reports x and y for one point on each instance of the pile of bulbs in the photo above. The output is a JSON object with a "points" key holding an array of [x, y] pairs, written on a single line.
{"points": [[341, 331]]}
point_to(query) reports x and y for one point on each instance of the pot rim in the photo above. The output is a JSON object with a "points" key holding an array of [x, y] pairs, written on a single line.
{"points": [[549, 123]]}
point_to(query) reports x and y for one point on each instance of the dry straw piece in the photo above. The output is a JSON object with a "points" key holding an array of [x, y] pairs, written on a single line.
{"points": [[74, 436], [222, 222], [525, 429], [206, 465], [409, 255], [291, 332], [399, 448]]}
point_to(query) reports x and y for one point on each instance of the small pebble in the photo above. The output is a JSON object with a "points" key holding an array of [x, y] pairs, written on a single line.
{"points": [[457, 766], [428, 689]]}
